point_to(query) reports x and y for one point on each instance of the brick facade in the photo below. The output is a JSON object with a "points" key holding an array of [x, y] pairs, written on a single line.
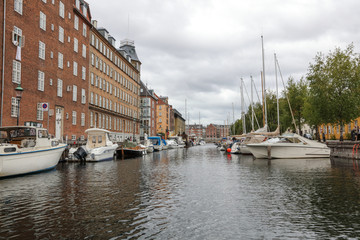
{"points": [[42, 25]]}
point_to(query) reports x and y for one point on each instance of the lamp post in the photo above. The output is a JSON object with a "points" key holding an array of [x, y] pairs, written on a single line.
{"points": [[19, 90]]}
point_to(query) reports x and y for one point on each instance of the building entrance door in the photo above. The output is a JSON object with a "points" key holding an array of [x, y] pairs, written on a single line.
{"points": [[59, 119]]}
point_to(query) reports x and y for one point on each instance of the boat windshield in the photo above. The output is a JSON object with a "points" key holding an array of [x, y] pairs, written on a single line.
{"points": [[155, 141]]}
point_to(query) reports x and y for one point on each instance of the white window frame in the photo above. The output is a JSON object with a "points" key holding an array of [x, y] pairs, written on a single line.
{"points": [[82, 119], [84, 30], [75, 69], [42, 21], [16, 73], [83, 73], [42, 50], [76, 45], [39, 112], [74, 93], [59, 87], [18, 6], [73, 117], [61, 34], [83, 96], [61, 9], [84, 51], [60, 60], [41, 80], [14, 107], [76, 22]]}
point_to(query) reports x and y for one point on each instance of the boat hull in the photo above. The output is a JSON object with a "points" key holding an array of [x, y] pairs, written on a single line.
{"points": [[282, 151], [101, 154], [131, 153], [27, 162]]}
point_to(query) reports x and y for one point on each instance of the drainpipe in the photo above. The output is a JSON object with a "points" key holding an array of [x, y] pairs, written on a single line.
{"points": [[3, 67]]}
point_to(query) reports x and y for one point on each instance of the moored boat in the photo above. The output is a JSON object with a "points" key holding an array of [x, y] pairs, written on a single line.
{"points": [[27, 149], [130, 150], [98, 147], [289, 146]]}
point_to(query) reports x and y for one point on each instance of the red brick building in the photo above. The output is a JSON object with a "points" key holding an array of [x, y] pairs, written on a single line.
{"points": [[46, 52], [114, 85], [211, 132]]}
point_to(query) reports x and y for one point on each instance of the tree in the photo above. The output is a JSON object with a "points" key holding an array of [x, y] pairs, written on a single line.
{"points": [[297, 93], [334, 82]]}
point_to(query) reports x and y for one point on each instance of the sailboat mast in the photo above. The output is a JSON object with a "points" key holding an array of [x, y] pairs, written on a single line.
{"points": [[252, 105], [242, 106], [277, 92], [263, 63], [233, 119], [263, 100]]}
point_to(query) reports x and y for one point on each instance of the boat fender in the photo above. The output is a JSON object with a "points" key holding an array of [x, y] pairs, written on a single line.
{"points": [[80, 153]]}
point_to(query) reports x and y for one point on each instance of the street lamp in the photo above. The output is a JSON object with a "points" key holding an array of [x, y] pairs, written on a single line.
{"points": [[19, 90]]}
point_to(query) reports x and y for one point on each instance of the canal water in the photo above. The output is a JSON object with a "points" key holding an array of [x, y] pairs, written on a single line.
{"points": [[195, 193]]}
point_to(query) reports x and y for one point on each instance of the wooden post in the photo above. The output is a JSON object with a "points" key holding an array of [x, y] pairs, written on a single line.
{"points": [[269, 152]]}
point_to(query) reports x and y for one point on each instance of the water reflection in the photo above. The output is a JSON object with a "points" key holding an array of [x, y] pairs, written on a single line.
{"points": [[196, 193]]}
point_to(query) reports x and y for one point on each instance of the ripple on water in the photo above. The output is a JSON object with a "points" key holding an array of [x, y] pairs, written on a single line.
{"points": [[196, 193]]}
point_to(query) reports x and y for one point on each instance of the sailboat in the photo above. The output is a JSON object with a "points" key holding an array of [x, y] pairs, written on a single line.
{"points": [[289, 145]]}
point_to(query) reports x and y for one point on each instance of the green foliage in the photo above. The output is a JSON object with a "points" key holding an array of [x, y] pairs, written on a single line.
{"points": [[334, 82]]}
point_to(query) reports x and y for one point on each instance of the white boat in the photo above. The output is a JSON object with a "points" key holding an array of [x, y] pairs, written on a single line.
{"points": [[170, 143], [157, 143], [26, 149], [148, 145], [179, 140], [289, 146], [98, 147]]}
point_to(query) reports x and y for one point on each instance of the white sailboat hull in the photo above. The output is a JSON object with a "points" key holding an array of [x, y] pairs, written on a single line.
{"points": [[101, 153], [288, 151]]}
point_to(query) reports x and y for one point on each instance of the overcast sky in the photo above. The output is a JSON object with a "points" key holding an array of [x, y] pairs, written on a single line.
{"points": [[199, 49]]}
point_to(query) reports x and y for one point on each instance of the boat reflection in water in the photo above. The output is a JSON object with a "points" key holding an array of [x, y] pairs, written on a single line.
{"points": [[193, 193]]}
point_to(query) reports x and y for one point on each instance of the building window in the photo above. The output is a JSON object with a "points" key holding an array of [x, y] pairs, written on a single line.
{"points": [[74, 93], [39, 112], [61, 10], [60, 60], [59, 87], [91, 119], [82, 119], [84, 29], [18, 6], [16, 73], [83, 73], [75, 69], [83, 96], [41, 50], [42, 21], [73, 137], [41, 80], [92, 78], [76, 48], [92, 98], [77, 4], [84, 51], [61, 34], [92, 59], [14, 107], [73, 117], [76, 22]]}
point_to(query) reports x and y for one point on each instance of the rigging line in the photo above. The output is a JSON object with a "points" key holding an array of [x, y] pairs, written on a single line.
{"points": [[253, 111], [292, 115]]}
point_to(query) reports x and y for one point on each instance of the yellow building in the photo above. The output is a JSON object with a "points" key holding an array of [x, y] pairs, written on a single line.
{"points": [[333, 132], [162, 116]]}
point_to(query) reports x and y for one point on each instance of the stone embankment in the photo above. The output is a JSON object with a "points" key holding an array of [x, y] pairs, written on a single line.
{"points": [[344, 149]]}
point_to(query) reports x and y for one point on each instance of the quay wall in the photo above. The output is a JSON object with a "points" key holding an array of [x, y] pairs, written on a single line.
{"points": [[344, 149]]}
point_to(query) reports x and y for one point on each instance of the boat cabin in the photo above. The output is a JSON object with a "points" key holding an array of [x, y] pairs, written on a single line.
{"points": [[97, 138], [25, 136]]}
